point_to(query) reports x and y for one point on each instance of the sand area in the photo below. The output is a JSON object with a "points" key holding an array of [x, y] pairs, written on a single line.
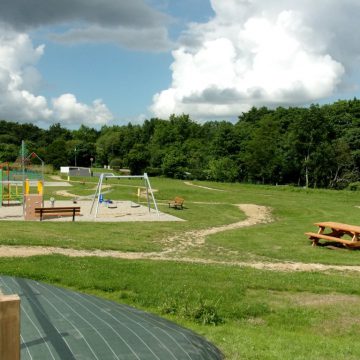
{"points": [[116, 212]]}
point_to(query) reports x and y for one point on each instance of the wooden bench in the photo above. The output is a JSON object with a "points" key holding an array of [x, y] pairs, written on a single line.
{"points": [[335, 234], [177, 203], [58, 211]]}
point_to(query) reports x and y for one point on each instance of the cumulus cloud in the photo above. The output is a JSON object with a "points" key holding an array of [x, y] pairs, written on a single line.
{"points": [[19, 80], [260, 52], [67, 109], [124, 23]]}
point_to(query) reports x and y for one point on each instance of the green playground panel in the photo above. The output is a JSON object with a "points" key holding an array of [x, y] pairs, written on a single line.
{"points": [[17, 175], [60, 324]]}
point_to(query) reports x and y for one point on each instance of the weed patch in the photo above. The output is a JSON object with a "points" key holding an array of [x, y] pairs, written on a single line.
{"points": [[197, 309]]}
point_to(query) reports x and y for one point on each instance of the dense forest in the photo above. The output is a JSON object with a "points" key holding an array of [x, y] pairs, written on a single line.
{"points": [[318, 146]]}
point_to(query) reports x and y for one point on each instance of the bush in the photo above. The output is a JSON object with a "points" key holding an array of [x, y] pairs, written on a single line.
{"points": [[355, 186], [154, 171], [116, 163]]}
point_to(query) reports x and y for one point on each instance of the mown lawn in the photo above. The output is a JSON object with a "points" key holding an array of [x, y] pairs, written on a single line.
{"points": [[248, 313]]}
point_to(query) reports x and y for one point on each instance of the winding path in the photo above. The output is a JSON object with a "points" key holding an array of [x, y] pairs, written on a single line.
{"points": [[177, 245]]}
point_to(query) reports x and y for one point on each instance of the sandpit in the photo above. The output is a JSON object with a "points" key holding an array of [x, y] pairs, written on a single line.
{"points": [[118, 211]]}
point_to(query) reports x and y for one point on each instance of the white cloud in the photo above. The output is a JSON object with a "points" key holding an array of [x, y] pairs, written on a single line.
{"points": [[17, 60], [258, 52], [68, 110], [19, 81]]}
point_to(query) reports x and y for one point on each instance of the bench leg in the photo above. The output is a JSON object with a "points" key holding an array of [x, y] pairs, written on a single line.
{"points": [[315, 242]]}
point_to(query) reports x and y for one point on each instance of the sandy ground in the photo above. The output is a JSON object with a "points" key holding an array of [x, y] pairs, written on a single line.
{"points": [[119, 211]]}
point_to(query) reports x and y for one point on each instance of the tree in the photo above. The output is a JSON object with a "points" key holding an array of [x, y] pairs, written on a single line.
{"points": [[305, 136], [263, 156], [56, 155], [174, 163], [137, 159], [56, 132], [223, 170], [85, 134], [8, 152], [225, 141]]}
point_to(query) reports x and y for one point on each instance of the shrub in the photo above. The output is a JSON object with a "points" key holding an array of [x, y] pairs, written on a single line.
{"points": [[116, 163], [195, 309], [354, 186]]}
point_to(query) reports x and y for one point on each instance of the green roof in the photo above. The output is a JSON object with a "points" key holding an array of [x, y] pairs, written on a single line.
{"points": [[60, 324]]}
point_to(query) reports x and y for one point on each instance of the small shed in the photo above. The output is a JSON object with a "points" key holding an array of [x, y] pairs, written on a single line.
{"points": [[76, 171]]}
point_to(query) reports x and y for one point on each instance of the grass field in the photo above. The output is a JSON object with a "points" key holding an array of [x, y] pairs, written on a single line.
{"points": [[248, 313]]}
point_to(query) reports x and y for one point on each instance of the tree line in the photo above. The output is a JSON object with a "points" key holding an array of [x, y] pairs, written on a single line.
{"points": [[317, 146]]}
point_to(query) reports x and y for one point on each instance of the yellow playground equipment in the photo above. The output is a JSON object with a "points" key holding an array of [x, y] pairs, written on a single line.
{"points": [[18, 178], [13, 192]]}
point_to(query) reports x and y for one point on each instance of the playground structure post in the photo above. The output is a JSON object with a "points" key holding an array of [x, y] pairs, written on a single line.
{"points": [[23, 172]]}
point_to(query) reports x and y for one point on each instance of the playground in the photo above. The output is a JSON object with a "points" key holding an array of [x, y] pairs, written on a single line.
{"points": [[23, 197], [139, 204]]}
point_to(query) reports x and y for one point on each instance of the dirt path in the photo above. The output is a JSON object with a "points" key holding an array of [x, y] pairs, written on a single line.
{"points": [[255, 215], [22, 251], [202, 187], [177, 245]]}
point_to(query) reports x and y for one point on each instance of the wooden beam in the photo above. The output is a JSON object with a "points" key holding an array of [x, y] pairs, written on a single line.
{"points": [[9, 327]]}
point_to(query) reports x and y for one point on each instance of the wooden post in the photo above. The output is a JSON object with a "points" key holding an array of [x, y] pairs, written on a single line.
{"points": [[9, 327]]}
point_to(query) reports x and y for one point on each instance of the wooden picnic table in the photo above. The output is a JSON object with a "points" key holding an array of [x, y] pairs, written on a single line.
{"points": [[348, 235]]}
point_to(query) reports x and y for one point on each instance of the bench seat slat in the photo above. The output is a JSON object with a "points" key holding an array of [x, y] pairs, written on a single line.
{"points": [[58, 211], [313, 235], [65, 208]]}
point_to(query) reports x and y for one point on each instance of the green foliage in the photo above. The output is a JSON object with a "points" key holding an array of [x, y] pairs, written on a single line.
{"points": [[173, 164], [8, 152], [355, 186], [116, 163], [137, 159], [223, 170], [185, 305], [315, 147], [56, 154]]}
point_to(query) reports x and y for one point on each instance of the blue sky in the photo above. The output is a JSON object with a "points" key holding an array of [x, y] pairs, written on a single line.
{"points": [[125, 80], [106, 62]]}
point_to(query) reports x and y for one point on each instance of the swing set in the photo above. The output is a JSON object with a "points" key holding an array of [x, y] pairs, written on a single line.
{"points": [[98, 196]]}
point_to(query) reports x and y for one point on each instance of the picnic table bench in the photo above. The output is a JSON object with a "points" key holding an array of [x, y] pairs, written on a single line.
{"points": [[177, 203], [335, 232], [58, 211]]}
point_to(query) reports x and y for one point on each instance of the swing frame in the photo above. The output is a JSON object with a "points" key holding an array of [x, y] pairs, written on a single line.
{"points": [[149, 191]]}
